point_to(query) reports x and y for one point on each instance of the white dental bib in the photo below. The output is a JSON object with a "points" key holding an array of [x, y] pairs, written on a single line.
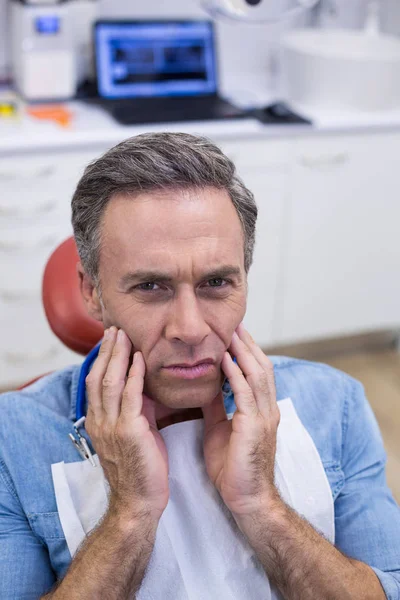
{"points": [[199, 552]]}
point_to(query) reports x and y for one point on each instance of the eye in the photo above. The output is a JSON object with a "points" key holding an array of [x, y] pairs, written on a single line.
{"points": [[147, 286], [217, 282]]}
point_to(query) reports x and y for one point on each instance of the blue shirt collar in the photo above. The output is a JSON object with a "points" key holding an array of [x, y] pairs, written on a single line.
{"points": [[73, 392]]}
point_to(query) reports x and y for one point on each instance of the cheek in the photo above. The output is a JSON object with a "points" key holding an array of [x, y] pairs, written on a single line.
{"points": [[141, 328], [142, 336], [227, 317]]}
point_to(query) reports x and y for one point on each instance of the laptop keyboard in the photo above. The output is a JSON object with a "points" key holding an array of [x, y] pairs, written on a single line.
{"points": [[158, 110]]}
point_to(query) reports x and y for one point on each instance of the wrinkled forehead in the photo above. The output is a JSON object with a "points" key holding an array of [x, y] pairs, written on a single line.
{"points": [[173, 229]]}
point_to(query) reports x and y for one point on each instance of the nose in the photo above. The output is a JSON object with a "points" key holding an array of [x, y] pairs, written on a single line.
{"points": [[186, 321]]}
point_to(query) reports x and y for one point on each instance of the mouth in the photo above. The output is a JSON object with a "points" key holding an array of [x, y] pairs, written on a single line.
{"points": [[192, 371]]}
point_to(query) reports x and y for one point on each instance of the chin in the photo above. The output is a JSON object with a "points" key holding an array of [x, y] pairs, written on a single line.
{"points": [[184, 393]]}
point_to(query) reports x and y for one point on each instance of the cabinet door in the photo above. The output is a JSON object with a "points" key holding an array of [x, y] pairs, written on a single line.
{"points": [[28, 347], [263, 166], [342, 257], [35, 217]]}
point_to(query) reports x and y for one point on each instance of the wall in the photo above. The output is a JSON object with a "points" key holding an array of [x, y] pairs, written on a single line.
{"points": [[391, 16], [245, 51]]}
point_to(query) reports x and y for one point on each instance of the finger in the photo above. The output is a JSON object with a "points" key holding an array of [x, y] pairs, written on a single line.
{"points": [[132, 397], [94, 379], [115, 377], [214, 413], [259, 355], [260, 381], [247, 362], [263, 360], [244, 397]]}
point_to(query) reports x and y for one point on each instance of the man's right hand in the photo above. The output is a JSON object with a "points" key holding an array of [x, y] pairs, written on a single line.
{"points": [[122, 427], [112, 561]]}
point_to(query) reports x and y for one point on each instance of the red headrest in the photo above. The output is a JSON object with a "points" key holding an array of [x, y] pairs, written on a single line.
{"points": [[63, 302]]}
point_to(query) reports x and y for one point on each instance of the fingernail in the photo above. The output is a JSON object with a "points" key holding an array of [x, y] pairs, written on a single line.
{"points": [[106, 333], [120, 335]]}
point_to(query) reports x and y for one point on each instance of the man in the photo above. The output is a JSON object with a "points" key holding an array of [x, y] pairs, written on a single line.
{"points": [[286, 499]]}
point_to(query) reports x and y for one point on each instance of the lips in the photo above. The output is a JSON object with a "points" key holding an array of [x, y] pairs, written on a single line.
{"points": [[194, 371], [204, 361]]}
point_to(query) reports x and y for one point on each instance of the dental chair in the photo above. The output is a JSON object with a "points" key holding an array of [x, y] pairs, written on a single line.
{"points": [[63, 303]]}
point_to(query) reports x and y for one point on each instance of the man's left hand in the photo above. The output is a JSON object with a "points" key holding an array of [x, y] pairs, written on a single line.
{"points": [[240, 461], [240, 454]]}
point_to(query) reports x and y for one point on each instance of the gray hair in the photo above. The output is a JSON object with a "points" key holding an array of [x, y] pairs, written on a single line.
{"points": [[148, 162]]}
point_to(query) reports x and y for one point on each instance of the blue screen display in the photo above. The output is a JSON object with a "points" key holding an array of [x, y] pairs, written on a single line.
{"points": [[155, 59], [47, 25]]}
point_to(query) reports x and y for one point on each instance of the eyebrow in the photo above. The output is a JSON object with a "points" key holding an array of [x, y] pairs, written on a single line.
{"points": [[145, 275]]}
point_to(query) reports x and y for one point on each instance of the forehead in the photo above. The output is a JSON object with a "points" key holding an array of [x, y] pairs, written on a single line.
{"points": [[165, 228]]}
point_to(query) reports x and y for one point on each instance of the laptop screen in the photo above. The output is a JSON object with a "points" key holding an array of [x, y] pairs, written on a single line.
{"points": [[155, 58]]}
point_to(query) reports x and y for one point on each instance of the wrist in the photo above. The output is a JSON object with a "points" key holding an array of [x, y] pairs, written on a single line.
{"points": [[269, 510], [128, 519]]}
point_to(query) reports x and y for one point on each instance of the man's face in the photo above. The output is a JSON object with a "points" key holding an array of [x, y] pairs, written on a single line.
{"points": [[162, 264]]}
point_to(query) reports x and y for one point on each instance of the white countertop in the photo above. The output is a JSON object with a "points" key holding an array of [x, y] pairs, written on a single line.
{"points": [[93, 126]]}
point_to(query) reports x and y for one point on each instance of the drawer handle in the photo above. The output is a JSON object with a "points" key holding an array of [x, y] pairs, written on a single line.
{"points": [[13, 296], [324, 162], [44, 242], [21, 211], [18, 358]]}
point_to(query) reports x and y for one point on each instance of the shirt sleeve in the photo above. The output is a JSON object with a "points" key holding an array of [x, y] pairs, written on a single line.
{"points": [[25, 570], [367, 518]]}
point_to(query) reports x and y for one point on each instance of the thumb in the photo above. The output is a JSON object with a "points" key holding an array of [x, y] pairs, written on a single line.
{"points": [[214, 413], [149, 411]]}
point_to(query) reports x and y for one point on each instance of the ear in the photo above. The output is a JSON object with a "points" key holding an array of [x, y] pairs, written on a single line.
{"points": [[89, 294]]}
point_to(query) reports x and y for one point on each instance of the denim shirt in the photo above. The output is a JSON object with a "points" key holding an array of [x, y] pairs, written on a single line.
{"points": [[34, 428]]}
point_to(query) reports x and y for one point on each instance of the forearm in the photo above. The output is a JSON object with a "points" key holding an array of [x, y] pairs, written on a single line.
{"points": [[112, 561], [303, 564]]}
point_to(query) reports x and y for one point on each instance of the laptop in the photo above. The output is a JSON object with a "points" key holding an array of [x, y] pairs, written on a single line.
{"points": [[159, 71]]}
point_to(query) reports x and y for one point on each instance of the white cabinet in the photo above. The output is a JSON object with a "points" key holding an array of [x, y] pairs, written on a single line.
{"points": [[327, 254], [342, 257], [35, 217], [28, 347], [263, 166]]}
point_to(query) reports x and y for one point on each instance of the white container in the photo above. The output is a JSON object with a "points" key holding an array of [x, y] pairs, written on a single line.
{"points": [[43, 50], [341, 69]]}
